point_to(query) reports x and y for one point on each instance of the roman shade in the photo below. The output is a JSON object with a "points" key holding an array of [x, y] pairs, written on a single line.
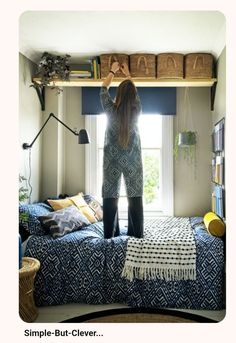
{"points": [[154, 100]]}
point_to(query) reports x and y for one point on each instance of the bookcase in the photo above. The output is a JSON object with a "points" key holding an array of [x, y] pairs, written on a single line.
{"points": [[218, 169]]}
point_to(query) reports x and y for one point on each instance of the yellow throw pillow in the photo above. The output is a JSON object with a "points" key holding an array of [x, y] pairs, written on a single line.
{"points": [[215, 226], [60, 204], [79, 201]]}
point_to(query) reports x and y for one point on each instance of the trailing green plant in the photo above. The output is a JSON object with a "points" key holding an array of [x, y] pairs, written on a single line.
{"points": [[23, 196], [185, 144], [52, 67]]}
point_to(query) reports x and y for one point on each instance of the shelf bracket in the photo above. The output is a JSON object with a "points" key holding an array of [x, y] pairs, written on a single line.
{"points": [[41, 94], [213, 93]]}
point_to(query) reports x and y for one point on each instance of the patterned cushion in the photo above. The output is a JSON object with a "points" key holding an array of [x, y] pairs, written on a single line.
{"points": [[79, 201], [64, 221], [31, 222], [95, 205], [58, 204]]}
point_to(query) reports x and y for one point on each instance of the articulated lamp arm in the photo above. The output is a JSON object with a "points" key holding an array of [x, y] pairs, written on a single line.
{"points": [[83, 137]]}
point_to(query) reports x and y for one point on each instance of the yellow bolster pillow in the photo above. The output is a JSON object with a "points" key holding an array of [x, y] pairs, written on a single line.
{"points": [[215, 226]]}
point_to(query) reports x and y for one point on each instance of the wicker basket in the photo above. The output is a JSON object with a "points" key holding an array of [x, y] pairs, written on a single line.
{"points": [[198, 66], [143, 66], [27, 309], [170, 66], [106, 63]]}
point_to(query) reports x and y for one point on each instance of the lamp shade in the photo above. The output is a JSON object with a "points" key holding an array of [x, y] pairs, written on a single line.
{"points": [[83, 137]]}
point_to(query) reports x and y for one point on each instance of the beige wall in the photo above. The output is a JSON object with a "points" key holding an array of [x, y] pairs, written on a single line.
{"points": [[74, 153], [51, 147], [193, 195], [63, 158], [192, 181], [220, 96], [30, 118]]}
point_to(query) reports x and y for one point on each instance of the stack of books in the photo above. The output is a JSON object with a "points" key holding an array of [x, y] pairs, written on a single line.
{"points": [[91, 69], [81, 70], [74, 74]]}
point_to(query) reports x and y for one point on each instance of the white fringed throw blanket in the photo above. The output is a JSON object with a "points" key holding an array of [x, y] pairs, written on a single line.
{"points": [[167, 251]]}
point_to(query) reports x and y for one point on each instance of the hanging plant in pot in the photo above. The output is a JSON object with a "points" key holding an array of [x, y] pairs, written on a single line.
{"points": [[185, 142], [186, 138]]}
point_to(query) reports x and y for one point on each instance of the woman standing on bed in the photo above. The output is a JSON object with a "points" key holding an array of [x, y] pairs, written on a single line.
{"points": [[122, 154]]}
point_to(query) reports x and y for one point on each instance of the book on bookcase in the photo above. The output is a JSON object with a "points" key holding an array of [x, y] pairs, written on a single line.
{"points": [[218, 136], [217, 169], [81, 70], [218, 200], [96, 67]]}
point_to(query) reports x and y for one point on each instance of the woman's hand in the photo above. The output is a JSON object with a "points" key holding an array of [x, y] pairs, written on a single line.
{"points": [[115, 67], [125, 69]]}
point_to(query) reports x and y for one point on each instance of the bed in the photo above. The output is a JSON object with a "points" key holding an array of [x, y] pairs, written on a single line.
{"points": [[83, 267]]}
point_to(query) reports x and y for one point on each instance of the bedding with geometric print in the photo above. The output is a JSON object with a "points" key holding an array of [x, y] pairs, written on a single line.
{"points": [[83, 267], [30, 221]]}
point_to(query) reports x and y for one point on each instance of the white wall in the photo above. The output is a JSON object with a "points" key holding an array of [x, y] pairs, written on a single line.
{"points": [[30, 119]]}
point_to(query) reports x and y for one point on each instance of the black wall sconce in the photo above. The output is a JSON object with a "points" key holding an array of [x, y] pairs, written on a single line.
{"points": [[83, 137]]}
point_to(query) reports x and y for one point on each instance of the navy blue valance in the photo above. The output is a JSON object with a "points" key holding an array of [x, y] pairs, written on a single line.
{"points": [[154, 100]]}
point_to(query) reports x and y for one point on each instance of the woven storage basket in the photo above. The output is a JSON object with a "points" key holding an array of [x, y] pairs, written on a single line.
{"points": [[198, 66], [170, 66], [107, 60], [28, 310], [143, 66]]}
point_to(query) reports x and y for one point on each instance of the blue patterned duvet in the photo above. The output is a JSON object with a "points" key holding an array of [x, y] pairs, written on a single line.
{"points": [[82, 267]]}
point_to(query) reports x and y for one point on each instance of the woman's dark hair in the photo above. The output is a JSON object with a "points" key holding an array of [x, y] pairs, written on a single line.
{"points": [[127, 109]]}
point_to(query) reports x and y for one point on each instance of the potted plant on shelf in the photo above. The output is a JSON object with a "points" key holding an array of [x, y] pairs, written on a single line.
{"points": [[51, 68]]}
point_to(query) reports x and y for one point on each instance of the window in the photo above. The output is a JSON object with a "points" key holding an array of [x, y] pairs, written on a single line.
{"points": [[156, 138]]}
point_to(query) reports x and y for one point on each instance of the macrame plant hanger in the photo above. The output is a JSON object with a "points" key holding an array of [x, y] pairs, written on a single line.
{"points": [[186, 138]]}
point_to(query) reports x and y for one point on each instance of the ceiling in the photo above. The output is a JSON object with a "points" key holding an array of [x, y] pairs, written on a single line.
{"points": [[86, 34]]}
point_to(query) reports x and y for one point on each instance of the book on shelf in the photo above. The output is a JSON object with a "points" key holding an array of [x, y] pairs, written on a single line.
{"points": [[218, 137], [81, 70], [217, 166], [218, 205], [219, 171], [96, 68], [213, 169], [80, 74]]}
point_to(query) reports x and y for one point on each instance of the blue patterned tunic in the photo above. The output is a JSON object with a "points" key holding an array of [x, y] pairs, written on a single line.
{"points": [[117, 160]]}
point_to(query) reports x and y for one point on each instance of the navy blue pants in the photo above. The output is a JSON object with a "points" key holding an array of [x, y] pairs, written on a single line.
{"points": [[111, 220]]}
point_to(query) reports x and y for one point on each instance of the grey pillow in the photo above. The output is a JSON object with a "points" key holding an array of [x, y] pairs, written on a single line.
{"points": [[64, 221]]}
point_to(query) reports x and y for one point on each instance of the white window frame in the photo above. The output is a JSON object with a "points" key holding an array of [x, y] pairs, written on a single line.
{"points": [[166, 182]]}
